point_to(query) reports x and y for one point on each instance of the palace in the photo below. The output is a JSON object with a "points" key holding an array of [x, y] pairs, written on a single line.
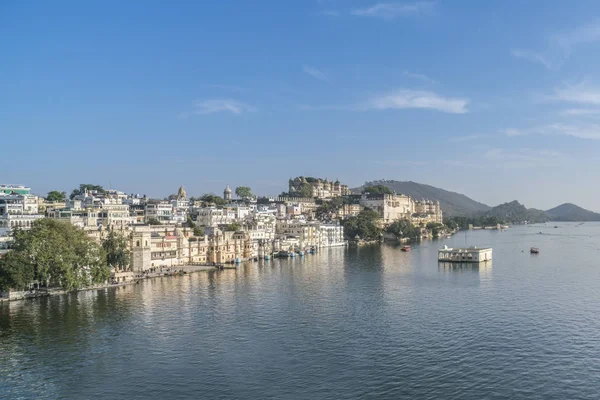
{"points": [[317, 188]]}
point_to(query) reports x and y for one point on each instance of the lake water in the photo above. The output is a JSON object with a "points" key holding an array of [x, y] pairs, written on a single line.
{"points": [[367, 323]]}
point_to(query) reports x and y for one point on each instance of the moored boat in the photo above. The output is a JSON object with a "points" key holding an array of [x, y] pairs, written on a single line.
{"points": [[405, 248], [534, 250]]}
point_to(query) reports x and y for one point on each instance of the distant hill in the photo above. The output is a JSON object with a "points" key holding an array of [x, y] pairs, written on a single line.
{"points": [[453, 204], [515, 212], [572, 212]]}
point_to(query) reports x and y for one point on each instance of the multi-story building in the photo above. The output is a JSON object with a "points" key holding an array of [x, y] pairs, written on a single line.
{"points": [[331, 235], [426, 211], [161, 210], [14, 189], [213, 216], [321, 189], [391, 207], [17, 211]]}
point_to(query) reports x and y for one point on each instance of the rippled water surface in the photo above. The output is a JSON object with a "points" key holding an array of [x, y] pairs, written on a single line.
{"points": [[346, 323]]}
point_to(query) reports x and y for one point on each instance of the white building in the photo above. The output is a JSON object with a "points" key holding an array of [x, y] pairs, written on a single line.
{"points": [[213, 216], [162, 211]]}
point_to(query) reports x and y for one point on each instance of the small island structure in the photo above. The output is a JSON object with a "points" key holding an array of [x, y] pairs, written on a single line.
{"points": [[465, 255]]}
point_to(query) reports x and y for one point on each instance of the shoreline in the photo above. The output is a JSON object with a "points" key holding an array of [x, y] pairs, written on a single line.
{"points": [[187, 269]]}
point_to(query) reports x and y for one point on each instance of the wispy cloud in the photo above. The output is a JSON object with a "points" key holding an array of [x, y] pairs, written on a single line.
{"points": [[560, 46], [580, 112], [420, 77], [226, 87], [205, 107], [404, 99], [468, 138], [394, 10], [315, 73], [331, 13], [582, 131], [581, 94], [523, 157], [587, 33], [533, 57]]}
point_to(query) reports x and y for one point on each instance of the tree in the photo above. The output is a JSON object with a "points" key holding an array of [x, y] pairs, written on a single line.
{"points": [[377, 190], [213, 199], [15, 271], [234, 227], [55, 195], [86, 186], [244, 192], [198, 231], [54, 253], [365, 225], [152, 221], [403, 228], [117, 253]]}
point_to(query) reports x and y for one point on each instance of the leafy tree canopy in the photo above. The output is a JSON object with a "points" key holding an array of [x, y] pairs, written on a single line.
{"points": [[243, 192], [152, 221], [210, 198], [403, 229], [377, 190], [83, 187], [365, 225], [234, 227], [117, 252], [56, 254], [55, 195]]}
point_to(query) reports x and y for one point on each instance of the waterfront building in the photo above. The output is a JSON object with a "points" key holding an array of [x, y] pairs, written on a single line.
{"points": [[213, 216], [426, 211], [391, 207], [331, 235], [17, 211]]}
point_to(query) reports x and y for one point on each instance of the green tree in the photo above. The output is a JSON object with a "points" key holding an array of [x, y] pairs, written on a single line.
{"points": [[152, 221], [243, 192], [403, 228], [435, 228], [198, 231], [234, 227], [377, 190], [83, 187], [55, 195], [365, 225], [213, 199], [16, 272], [117, 252], [58, 253]]}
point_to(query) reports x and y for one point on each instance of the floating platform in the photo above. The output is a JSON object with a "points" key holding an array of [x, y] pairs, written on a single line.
{"points": [[465, 255]]}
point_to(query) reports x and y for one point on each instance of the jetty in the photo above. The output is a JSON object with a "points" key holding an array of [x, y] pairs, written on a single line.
{"points": [[465, 255]]}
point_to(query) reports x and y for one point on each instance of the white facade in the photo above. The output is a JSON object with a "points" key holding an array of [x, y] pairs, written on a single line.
{"points": [[162, 211], [212, 216]]}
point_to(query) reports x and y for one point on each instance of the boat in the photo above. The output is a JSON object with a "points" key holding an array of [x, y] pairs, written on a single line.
{"points": [[267, 257], [301, 253], [534, 250], [405, 248], [555, 226], [541, 233]]}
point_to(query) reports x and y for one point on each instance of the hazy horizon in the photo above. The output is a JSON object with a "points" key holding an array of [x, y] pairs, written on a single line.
{"points": [[499, 101]]}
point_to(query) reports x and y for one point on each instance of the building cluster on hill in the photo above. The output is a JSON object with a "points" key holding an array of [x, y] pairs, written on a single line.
{"points": [[211, 229]]}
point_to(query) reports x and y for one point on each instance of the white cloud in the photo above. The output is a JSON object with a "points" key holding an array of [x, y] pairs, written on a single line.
{"points": [[331, 13], [580, 112], [587, 131], [560, 46], [468, 138], [532, 56], [420, 77], [219, 105], [315, 73], [403, 99], [583, 34], [394, 10], [581, 94], [523, 157]]}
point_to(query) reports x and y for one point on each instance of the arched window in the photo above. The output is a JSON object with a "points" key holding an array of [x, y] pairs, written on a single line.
{"points": [[137, 244]]}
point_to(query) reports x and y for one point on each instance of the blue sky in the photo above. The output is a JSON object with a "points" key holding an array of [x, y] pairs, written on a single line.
{"points": [[499, 100]]}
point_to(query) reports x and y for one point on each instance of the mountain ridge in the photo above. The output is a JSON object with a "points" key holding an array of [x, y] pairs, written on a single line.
{"points": [[452, 203], [571, 212]]}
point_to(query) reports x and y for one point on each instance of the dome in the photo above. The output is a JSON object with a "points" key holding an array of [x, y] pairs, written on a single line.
{"points": [[228, 189]]}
